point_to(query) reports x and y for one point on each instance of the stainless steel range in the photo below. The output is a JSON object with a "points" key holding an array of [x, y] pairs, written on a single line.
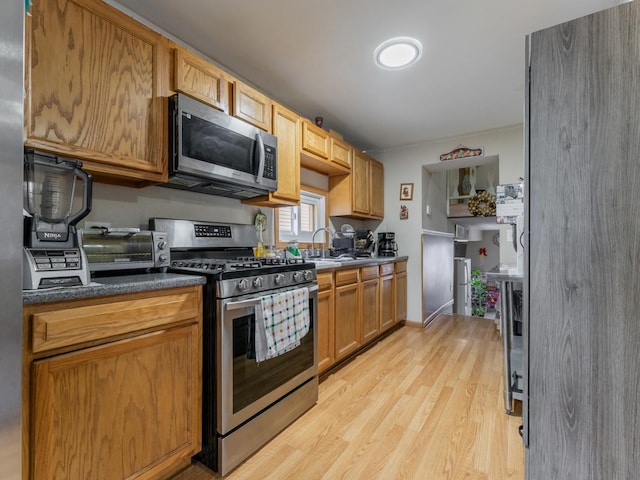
{"points": [[247, 400]]}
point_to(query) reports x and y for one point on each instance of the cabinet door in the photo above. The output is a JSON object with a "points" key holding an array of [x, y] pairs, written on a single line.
{"points": [[95, 79], [347, 320], [370, 308], [401, 296], [387, 302], [251, 106], [340, 152], [376, 187], [286, 126], [360, 184], [315, 140], [325, 330], [200, 79], [125, 409]]}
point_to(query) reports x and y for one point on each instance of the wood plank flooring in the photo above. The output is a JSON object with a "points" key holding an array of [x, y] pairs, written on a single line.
{"points": [[422, 404]]}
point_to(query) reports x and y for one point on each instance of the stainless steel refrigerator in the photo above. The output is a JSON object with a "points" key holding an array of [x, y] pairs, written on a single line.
{"points": [[11, 141], [462, 286]]}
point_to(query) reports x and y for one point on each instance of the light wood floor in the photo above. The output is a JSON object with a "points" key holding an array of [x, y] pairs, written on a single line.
{"points": [[422, 404]]}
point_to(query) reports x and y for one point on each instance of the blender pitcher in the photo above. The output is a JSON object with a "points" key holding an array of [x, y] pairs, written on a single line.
{"points": [[49, 190]]}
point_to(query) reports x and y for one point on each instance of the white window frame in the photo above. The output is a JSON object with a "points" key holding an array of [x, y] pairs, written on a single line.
{"points": [[309, 197]]}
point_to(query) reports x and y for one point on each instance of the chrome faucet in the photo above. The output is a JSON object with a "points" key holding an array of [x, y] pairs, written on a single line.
{"points": [[313, 240]]}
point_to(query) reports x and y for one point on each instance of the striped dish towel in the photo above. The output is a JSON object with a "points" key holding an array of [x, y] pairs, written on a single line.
{"points": [[282, 319]]}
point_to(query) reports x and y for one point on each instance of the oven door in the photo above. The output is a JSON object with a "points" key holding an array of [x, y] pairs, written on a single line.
{"points": [[244, 386]]}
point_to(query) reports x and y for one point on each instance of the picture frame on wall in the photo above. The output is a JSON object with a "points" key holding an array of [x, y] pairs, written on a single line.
{"points": [[406, 191]]}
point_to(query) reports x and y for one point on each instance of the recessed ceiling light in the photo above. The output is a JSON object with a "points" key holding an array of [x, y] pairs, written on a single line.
{"points": [[397, 53]]}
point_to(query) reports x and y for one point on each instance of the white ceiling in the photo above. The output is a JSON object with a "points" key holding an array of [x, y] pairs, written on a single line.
{"points": [[316, 57]]}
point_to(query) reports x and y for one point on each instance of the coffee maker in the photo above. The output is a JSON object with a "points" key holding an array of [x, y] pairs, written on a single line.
{"points": [[51, 254], [387, 247]]}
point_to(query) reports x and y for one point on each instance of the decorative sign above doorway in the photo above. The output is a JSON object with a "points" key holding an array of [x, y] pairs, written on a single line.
{"points": [[462, 152]]}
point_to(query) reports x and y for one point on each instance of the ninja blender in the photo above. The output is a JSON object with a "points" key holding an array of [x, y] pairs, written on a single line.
{"points": [[52, 256]]}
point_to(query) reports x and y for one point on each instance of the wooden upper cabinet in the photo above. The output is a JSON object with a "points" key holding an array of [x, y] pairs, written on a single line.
{"points": [[286, 126], [200, 79], [95, 82], [376, 179], [250, 105], [315, 140], [360, 180], [361, 193], [340, 152], [316, 151]]}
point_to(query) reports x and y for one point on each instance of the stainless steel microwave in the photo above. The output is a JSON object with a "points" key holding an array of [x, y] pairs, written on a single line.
{"points": [[214, 153]]}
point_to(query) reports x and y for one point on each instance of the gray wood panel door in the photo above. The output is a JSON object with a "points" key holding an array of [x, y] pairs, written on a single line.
{"points": [[584, 239]]}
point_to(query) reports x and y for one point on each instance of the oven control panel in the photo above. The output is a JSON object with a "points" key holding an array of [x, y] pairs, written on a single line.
{"points": [[264, 283], [214, 231]]}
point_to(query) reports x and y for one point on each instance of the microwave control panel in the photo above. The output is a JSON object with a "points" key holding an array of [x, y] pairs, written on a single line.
{"points": [[269, 162]]}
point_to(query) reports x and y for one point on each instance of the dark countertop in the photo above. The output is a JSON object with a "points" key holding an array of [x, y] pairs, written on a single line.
{"points": [[101, 287], [330, 263], [505, 277]]}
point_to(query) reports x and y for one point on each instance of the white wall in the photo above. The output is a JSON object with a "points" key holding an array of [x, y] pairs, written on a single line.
{"points": [[405, 165], [132, 207]]}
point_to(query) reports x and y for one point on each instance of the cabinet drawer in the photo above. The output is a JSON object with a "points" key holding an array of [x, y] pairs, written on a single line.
{"points": [[345, 277], [401, 266], [64, 325], [367, 273], [386, 269], [325, 281]]}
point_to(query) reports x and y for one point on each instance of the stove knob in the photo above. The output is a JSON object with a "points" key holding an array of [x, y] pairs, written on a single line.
{"points": [[162, 258], [279, 279], [162, 245], [307, 275], [257, 282], [298, 277], [243, 285]]}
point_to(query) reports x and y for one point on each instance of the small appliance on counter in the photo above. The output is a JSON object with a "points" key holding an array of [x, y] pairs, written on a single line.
{"points": [[343, 246], [365, 244], [113, 250], [51, 254], [387, 247]]}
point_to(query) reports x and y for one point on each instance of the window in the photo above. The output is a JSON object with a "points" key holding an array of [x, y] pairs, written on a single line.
{"points": [[299, 222]]}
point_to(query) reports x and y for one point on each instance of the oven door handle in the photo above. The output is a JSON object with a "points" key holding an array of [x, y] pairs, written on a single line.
{"points": [[252, 302]]}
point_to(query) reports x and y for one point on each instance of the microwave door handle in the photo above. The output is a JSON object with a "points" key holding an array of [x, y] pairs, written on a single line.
{"points": [[260, 151]]}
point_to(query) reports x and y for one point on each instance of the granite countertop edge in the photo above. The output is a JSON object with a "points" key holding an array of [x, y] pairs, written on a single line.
{"points": [[102, 287], [505, 277], [362, 262]]}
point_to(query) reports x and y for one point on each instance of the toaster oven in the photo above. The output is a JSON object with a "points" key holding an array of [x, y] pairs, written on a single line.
{"points": [[114, 249]]}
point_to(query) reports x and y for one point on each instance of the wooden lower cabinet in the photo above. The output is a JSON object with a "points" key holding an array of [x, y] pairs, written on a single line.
{"points": [[369, 304], [347, 320], [401, 291], [356, 306], [125, 408], [387, 302], [326, 355]]}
